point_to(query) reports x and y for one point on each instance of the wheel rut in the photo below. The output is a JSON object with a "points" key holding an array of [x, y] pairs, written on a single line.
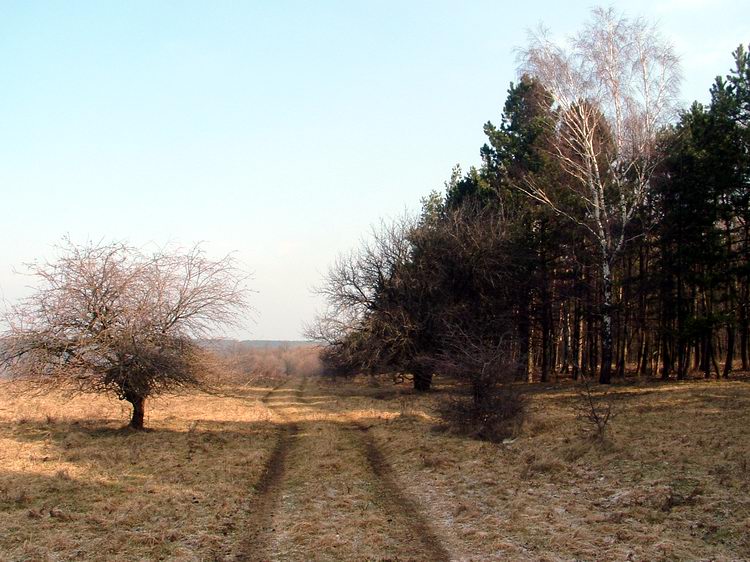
{"points": [[254, 545], [402, 507], [326, 486]]}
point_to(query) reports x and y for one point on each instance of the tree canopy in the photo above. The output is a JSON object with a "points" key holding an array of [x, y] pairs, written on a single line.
{"points": [[110, 318]]}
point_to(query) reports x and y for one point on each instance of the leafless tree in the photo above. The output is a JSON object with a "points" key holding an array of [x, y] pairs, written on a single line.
{"points": [[354, 283], [366, 322], [614, 87], [594, 410], [109, 318]]}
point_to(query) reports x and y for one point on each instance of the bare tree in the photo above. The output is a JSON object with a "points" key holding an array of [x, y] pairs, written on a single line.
{"points": [[594, 410], [109, 318], [614, 87], [367, 322]]}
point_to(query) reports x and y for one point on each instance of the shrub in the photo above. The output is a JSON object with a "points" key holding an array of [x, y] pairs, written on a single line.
{"points": [[594, 410], [494, 415]]}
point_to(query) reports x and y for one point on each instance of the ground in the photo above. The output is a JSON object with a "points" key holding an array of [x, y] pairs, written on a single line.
{"points": [[310, 469]]}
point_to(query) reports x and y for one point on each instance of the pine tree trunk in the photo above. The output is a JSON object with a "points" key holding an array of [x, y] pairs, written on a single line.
{"points": [[593, 348], [714, 362], [683, 358], [546, 340], [697, 359], [577, 351], [645, 350], [706, 356], [744, 326], [666, 358], [743, 346], [728, 364], [524, 344], [565, 339]]}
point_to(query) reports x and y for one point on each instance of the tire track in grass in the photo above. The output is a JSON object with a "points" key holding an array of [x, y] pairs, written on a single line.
{"points": [[394, 501], [254, 545], [400, 507], [410, 535]]}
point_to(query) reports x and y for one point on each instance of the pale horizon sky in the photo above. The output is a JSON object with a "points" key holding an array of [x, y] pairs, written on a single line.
{"points": [[280, 131]]}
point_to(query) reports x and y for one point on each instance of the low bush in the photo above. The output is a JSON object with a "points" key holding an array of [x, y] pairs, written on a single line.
{"points": [[494, 415]]}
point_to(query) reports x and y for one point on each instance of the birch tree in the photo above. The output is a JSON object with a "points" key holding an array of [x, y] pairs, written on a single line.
{"points": [[614, 86]]}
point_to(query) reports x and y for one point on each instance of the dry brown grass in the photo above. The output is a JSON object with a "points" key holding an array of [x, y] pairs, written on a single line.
{"points": [[74, 485], [336, 501], [672, 484]]}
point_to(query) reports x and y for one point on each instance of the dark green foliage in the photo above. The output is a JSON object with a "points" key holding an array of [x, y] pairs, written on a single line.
{"points": [[703, 216], [492, 268]]}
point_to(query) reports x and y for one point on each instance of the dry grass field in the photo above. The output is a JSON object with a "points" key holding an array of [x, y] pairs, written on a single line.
{"points": [[308, 469], [75, 486]]}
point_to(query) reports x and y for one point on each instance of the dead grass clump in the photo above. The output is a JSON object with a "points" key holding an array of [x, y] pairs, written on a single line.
{"points": [[574, 449], [657, 496], [539, 462], [539, 426], [407, 408], [433, 461]]}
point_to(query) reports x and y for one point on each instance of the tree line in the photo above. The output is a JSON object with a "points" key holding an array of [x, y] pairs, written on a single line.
{"points": [[605, 232]]}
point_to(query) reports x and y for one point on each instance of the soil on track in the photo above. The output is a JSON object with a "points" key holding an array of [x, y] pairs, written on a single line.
{"points": [[327, 485], [254, 543], [397, 502]]}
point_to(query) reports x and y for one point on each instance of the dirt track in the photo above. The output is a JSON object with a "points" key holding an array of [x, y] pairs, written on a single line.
{"points": [[326, 487], [254, 544]]}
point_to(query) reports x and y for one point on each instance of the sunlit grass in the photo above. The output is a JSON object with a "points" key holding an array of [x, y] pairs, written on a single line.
{"points": [[73, 484], [672, 482]]}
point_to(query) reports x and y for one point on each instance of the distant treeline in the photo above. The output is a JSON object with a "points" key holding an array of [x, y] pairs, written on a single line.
{"points": [[588, 242], [265, 359], [224, 343]]}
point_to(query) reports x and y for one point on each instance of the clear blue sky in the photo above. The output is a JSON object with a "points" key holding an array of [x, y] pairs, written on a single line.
{"points": [[279, 130]]}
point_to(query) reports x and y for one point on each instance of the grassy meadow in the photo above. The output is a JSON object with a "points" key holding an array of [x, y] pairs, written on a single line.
{"points": [[365, 470]]}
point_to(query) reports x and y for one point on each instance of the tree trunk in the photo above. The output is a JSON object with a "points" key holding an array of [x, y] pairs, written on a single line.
{"points": [[729, 305], [623, 352], [530, 357], [605, 376], [714, 362], [546, 318], [577, 351], [683, 358], [666, 357], [422, 379], [744, 327], [706, 356], [565, 338], [592, 348], [744, 331], [138, 402], [644, 348], [524, 344], [729, 363], [546, 341], [697, 351], [643, 364]]}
